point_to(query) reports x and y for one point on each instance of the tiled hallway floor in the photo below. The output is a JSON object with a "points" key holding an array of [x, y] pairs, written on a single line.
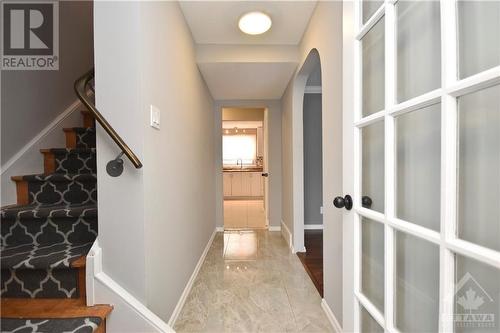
{"points": [[250, 282]]}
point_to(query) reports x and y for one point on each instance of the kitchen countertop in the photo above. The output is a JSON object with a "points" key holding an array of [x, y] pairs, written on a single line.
{"points": [[245, 169]]}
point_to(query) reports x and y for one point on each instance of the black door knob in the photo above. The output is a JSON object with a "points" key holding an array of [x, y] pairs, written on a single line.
{"points": [[366, 201], [346, 202], [265, 174]]}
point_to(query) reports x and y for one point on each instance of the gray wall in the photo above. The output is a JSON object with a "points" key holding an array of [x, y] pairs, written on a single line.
{"points": [[32, 99], [179, 159], [323, 33], [118, 98], [143, 51], [313, 159]]}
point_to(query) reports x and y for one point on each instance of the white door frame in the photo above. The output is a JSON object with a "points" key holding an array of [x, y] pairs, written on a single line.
{"points": [[447, 240], [219, 163], [348, 306]]}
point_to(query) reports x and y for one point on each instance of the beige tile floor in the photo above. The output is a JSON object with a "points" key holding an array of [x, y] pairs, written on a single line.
{"points": [[240, 214], [250, 282]]}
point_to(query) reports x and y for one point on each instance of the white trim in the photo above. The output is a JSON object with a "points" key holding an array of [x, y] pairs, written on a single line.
{"points": [[44, 132], [379, 13], [372, 309], [219, 229], [389, 163], [274, 228], [313, 227], [94, 265], [189, 285], [312, 90], [419, 102], [368, 120], [475, 82], [331, 317], [287, 235], [141, 309]]}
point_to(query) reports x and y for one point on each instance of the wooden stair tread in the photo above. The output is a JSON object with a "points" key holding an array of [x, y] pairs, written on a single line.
{"points": [[51, 308]]}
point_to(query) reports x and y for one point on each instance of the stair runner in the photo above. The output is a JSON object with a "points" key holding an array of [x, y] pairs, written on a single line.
{"points": [[46, 236], [51, 325]]}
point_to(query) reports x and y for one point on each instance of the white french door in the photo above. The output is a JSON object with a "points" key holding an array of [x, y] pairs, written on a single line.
{"points": [[426, 166]]}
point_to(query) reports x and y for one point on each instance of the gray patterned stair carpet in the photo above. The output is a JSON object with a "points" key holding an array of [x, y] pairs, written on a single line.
{"points": [[59, 325], [40, 241], [85, 137]]}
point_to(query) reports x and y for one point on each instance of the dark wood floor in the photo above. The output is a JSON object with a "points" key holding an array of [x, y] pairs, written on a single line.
{"points": [[312, 259]]}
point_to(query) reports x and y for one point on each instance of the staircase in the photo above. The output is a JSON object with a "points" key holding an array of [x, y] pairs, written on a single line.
{"points": [[45, 238]]}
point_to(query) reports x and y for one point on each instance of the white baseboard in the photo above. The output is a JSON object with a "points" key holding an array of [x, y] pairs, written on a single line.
{"points": [[331, 317], [219, 229], [313, 227], [274, 228], [287, 235], [189, 285], [313, 90], [49, 128], [129, 314]]}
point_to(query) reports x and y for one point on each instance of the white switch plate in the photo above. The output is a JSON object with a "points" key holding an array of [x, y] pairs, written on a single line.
{"points": [[321, 210], [155, 117]]}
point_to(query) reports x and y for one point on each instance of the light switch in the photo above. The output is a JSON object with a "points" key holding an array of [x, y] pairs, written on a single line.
{"points": [[155, 117], [321, 210]]}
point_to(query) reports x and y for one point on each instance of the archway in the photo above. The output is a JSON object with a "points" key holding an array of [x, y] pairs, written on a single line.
{"points": [[308, 168], [311, 64]]}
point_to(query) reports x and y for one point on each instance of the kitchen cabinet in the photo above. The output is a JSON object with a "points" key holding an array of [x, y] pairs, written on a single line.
{"points": [[236, 184], [256, 188], [227, 183], [243, 184]]}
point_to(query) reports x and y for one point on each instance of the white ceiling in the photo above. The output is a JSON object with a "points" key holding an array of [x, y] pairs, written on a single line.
{"points": [[216, 22], [233, 80]]}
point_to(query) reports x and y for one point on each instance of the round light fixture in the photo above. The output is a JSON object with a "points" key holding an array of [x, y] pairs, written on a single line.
{"points": [[254, 23]]}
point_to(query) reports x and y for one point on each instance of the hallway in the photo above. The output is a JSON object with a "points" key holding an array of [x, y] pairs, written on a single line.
{"points": [[251, 282]]}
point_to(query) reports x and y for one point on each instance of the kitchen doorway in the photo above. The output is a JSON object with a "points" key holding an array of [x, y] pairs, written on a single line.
{"points": [[244, 168]]}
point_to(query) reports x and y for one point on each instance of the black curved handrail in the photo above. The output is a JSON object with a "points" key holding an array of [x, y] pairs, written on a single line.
{"points": [[81, 91]]}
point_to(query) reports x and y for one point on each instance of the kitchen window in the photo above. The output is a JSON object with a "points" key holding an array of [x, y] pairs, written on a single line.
{"points": [[239, 149]]}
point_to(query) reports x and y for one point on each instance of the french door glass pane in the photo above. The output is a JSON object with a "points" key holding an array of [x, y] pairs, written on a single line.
{"points": [[479, 167], [478, 36], [373, 70], [418, 48], [368, 324], [477, 294], [417, 284], [418, 168], [369, 8], [373, 164], [372, 270]]}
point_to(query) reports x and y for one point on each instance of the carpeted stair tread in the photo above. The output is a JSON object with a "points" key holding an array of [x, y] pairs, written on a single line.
{"points": [[33, 256], [79, 129], [60, 188], [80, 137], [70, 150], [58, 177], [30, 212], [52, 325], [70, 160], [51, 308]]}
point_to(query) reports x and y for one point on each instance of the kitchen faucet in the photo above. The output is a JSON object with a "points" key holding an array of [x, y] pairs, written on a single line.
{"points": [[240, 164]]}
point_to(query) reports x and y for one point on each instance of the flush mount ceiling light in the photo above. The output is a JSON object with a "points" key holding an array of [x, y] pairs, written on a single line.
{"points": [[254, 23]]}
